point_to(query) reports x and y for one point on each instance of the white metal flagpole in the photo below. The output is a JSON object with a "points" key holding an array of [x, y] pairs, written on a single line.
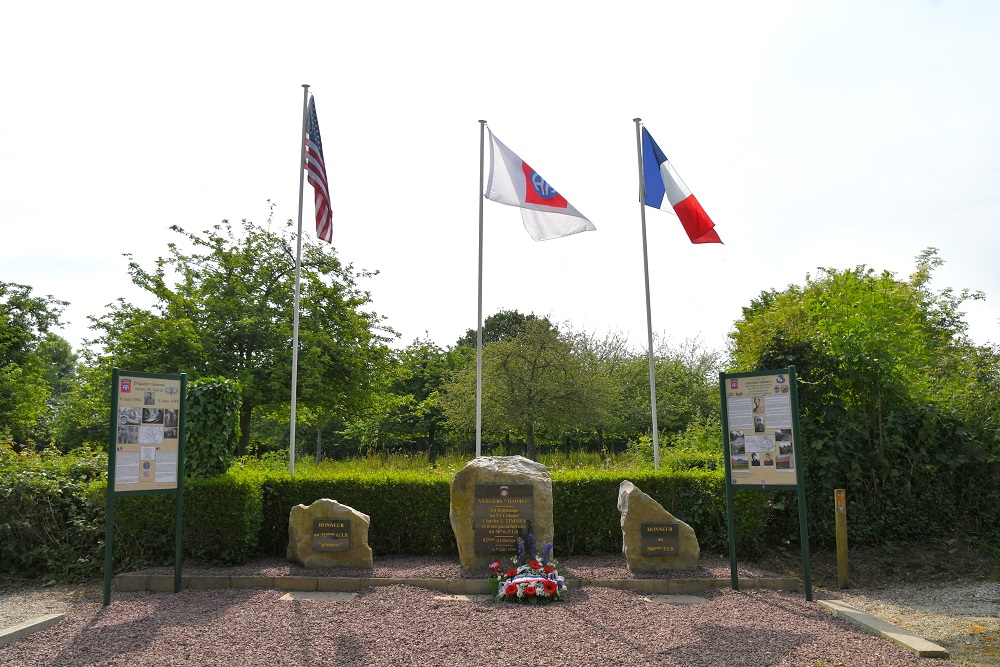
{"points": [[649, 315], [479, 324], [298, 273]]}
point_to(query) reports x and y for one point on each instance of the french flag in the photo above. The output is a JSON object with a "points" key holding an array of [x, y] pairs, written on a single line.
{"points": [[666, 190]]}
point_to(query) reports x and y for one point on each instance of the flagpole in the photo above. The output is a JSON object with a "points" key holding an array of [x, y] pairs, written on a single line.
{"points": [[298, 273], [649, 312], [479, 321]]}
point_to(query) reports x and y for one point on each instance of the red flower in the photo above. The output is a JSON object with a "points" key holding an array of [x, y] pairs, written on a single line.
{"points": [[529, 590], [535, 565], [549, 586], [511, 573], [549, 568], [511, 589]]}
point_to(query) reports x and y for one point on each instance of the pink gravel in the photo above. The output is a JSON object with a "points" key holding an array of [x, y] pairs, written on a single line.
{"points": [[404, 625]]}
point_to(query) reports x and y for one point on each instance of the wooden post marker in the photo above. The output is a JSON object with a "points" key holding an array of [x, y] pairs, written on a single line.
{"points": [[840, 501]]}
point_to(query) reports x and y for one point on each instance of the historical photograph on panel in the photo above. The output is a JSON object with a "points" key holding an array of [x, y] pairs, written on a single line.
{"points": [[128, 435], [129, 416], [152, 415], [170, 434], [737, 443], [740, 463], [170, 417]]}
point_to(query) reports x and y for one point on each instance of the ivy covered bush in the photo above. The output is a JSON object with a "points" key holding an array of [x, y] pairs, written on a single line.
{"points": [[213, 425]]}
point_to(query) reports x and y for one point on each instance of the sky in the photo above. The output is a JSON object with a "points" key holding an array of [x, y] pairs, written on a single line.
{"points": [[815, 134]]}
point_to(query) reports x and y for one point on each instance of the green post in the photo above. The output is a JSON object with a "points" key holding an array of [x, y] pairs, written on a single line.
{"points": [[179, 504], [730, 504], [800, 477], [109, 502]]}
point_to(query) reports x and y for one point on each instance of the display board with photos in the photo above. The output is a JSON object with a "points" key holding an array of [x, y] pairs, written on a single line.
{"points": [[760, 425], [147, 411]]}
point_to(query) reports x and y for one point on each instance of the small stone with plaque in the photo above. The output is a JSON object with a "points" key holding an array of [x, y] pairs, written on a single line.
{"points": [[652, 538], [328, 534]]}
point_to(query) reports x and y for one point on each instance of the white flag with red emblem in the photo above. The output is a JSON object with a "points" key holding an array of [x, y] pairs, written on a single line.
{"points": [[545, 212]]}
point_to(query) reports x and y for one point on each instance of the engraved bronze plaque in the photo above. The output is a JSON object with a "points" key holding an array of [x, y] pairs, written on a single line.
{"points": [[331, 535], [503, 512], [659, 539]]}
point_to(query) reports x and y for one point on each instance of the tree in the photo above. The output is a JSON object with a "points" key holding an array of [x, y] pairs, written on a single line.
{"points": [[685, 383], [884, 365], [531, 381], [417, 415], [25, 320], [229, 314], [500, 326]]}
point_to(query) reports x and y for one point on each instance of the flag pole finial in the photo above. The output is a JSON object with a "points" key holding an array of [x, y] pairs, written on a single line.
{"points": [[636, 120]]}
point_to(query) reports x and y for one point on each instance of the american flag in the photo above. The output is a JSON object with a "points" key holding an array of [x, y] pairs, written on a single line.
{"points": [[316, 168]]}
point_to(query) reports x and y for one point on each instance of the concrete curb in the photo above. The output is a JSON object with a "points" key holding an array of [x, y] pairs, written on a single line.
{"points": [[22, 630], [876, 626], [165, 583]]}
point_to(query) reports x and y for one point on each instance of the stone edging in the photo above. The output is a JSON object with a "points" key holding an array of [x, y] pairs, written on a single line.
{"points": [[22, 630], [164, 583], [922, 647]]}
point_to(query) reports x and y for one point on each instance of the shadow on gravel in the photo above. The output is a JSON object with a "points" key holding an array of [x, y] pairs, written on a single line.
{"points": [[108, 638]]}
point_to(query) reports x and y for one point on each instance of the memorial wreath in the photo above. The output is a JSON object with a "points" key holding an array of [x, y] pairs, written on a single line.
{"points": [[532, 578]]}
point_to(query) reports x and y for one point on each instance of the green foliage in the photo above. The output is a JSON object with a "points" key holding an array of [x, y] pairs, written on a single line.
{"points": [[409, 511], [82, 419], [213, 421], [230, 314], [585, 508], [885, 371], [502, 325], [25, 392], [222, 519], [51, 516], [530, 381]]}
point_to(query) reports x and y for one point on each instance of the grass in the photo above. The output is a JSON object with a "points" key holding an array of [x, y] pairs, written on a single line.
{"points": [[446, 465]]}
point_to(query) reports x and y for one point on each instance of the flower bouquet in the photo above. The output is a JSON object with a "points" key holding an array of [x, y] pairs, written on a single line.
{"points": [[531, 579]]}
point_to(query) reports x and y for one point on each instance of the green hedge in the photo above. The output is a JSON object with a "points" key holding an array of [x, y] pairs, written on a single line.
{"points": [[222, 523], [585, 509], [52, 514], [408, 511]]}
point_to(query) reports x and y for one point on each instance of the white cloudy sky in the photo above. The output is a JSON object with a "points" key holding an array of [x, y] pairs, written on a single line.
{"points": [[826, 133]]}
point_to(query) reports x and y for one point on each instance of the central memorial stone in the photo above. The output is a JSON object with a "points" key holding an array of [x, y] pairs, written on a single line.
{"points": [[494, 501]]}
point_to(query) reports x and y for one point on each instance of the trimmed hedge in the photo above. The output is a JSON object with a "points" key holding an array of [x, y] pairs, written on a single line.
{"points": [[409, 511], [222, 523], [52, 514], [585, 508]]}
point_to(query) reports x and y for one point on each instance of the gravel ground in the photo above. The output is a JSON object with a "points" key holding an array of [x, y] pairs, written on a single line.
{"points": [[403, 625]]}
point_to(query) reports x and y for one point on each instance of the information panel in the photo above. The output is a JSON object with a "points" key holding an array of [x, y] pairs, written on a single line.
{"points": [[760, 443], [148, 411]]}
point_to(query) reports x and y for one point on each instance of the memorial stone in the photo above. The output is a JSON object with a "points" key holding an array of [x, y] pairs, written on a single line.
{"points": [[328, 534], [652, 538], [494, 501]]}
